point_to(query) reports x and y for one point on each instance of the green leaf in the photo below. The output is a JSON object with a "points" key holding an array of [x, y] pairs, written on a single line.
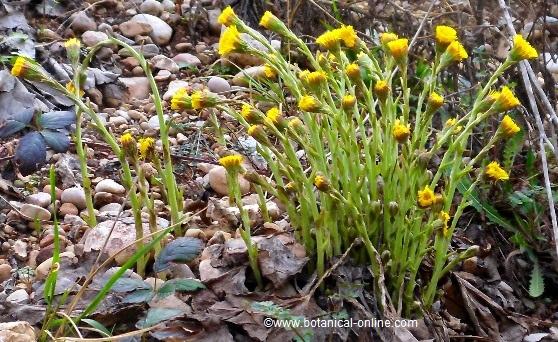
{"points": [[182, 250], [138, 296], [511, 149], [98, 326], [157, 315], [181, 285], [129, 285], [536, 285]]}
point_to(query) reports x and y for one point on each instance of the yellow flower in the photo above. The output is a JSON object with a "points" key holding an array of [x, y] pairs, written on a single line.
{"points": [[426, 197], [72, 43], [387, 37], [353, 71], [506, 100], [129, 145], [321, 183], [181, 100], [381, 89], [451, 122], [495, 172], [20, 67], [72, 88], [257, 132], [274, 116], [314, 78], [233, 161], [509, 127], [230, 41], [250, 114], [348, 35], [445, 35], [398, 48], [126, 139], [296, 124], [269, 71], [146, 147], [435, 100], [328, 40], [202, 99], [444, 217], [348, 102], [456, 51], [522, 49], [400, 131], [272, 23], [308, 104], [227, 17]]}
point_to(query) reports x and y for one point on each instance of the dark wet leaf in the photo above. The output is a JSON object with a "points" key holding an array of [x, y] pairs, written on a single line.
{"points": [[138, 296], [30, 153], [59, 142], [10, 127], [181, 285], [181, 250], [23, 116], [57, 120], [129, 285], [157, 315]]}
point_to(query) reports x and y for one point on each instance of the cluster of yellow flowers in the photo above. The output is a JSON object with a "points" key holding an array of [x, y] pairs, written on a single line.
{"points": [[181, 100], [145, 146]]}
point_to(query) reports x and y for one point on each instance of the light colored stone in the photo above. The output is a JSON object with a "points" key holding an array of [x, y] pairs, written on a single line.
{"points": [[218, 84], [116, 121], [185, 60], [173, 88], [154, 282], [91, 38], [110, 208], [19, 331], [242, 77], [74, 195], [153, 122], [68, 209], [34, 212], [132, 28], [195, 233], [161, 32], [18, 297], [161, 62], [152, 7], [110, 186], [81, 22], [218, 181], [136, 88], [41, 272], [41, 199]]}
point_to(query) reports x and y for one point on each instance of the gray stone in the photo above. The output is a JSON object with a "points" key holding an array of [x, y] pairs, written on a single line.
{"points": [[218, 84], [161, 62], [152, 7], [110, 186], [213, 15], [185, 60], [153, 122], [18, 297], [173, 87], [161, 32], [81, 22], [135, 88], [42, 199], [132, 28], [33, 212], [74, 195], [110, 208], [148, 50], [91, 38]]}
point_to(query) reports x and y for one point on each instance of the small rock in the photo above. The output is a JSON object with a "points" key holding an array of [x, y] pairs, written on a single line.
{"points": [[91, 38], [34, 212], [43, 269], [117, 121], [68, 209], [19, 331], [218, 181], [136, 88], [217, 84], [5, 272], [195, 233], [102, 198], [163, 75], [153, 122], [161, 32], [110, 186], [46, 189], [162, 62], [152, 7], [185, 60], [242, 77], [214, 25], [132, 28], [183, 47], [154, 282], [74, 195], [20, 249], [110, 208], [41, 199], [173, 88], [168, 5], [81, 22]]}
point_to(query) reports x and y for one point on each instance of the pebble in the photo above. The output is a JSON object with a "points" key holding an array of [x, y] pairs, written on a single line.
{"points": [[195, 233], [116, 121], [33, 212], [218, 181], [20, 249], [74, 195], [183, 47], [102, 198], [136, 87], [91, 38], [110, 208], [148, 50], [58, 191], [41, 199], [136, 115], [68, 209], [81, 22], [110, 186], [153, 122], [242, 77], [218, 84], [162, 62], [173, 87], [42, 270], [5, 272], [18, 331], [18, 297], [152, 7], [161, 32], [163, 75], [185, 60], [132, 28]]}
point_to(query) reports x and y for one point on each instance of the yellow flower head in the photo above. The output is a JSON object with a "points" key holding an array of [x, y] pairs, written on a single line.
{"points": [[250, 114], [257, 132], [506, 100], [314, 78], [435, 100], [296, 124], [444, 217], [456, 51], [426, 197], [445, 35], [20, 67], [72, 88], [321, 183], [348, 102], [348, 36], [381, 89], [233, 161], [387, 37], [451, 122], [181, 100], [126, 139], [328, 40], [129, 145], [227, 17], [509, 127], [308, 103], [522, 49], [272, 23], [398, 48], [72, 43], [353, 71], [146, 147], [400, 131], [230, 41], [495, 172], [202, 99], [269, 71], [274, 116]]}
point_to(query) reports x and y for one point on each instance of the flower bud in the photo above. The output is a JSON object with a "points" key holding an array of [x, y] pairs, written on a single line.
{"points": [[348, 102], [257, 132], [381, 89], [321, 183], [393, 208]]}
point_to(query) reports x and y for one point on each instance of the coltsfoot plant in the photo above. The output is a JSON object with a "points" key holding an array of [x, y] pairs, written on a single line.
{"points": [[366, 170]]}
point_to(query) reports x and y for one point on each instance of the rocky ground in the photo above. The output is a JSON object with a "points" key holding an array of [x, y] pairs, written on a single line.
{"points": [[179, 40]]}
